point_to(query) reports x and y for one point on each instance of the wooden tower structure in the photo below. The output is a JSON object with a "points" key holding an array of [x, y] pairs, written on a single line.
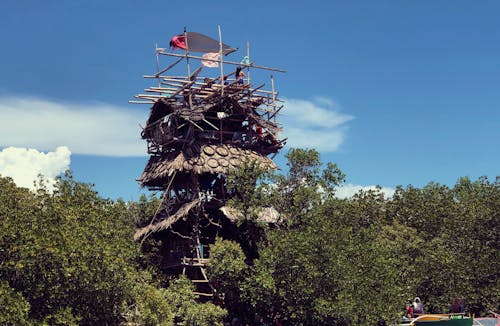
{"points": [[201, 126]]}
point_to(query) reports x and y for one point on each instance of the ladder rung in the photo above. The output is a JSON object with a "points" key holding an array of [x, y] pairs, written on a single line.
{"points": [[199, 281], [204, 294]]}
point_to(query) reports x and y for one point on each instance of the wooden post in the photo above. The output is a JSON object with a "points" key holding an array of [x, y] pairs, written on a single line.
{"points": [[248, 56], [273, 95], [157, 63], [224, 61], [220, 59], [220, 131], [187, 53]]}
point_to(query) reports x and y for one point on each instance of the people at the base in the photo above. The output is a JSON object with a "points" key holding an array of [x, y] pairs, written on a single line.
{"points": [[409, 310], [457, 306], [418, 307]]}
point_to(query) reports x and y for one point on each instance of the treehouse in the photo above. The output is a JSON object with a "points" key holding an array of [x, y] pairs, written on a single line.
{"points": [[202, 124]]}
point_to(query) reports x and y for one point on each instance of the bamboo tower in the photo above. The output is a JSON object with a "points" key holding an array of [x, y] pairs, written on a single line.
{"points": [[198, 129]]}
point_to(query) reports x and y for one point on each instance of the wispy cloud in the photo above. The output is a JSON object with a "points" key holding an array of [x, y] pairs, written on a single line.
{"points": [[85, 128], [107, 130], [315, 124], [24, 165], [349, 190]]}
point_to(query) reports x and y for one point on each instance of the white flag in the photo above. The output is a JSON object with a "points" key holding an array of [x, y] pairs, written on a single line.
{"points": [[209, 63]]}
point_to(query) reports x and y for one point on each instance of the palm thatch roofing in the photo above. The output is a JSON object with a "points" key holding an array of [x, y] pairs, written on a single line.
{"points": [[208, 159], [168, 222], [264, 214]]}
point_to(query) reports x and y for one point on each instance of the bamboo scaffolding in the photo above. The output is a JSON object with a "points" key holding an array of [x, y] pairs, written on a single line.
{"points": [[157, 75], [220, 63], [141, 102], [248, 67], [196, 125], [214, 85], [181, 89], [251, 65], [148, 96], [187, 52], [211, 124]]}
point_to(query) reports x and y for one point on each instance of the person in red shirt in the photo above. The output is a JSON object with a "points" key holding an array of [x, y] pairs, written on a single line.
{"points": [[409, 310]]}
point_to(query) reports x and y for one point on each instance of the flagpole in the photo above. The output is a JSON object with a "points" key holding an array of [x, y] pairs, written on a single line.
{"points": [[187, 53]]}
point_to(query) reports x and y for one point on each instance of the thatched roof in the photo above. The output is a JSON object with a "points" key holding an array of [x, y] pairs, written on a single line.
{"points": [[264, 214], [209, 159], [166, 223]]}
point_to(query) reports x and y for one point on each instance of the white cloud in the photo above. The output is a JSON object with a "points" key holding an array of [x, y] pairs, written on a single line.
{"points": [[89, 128], [317, 124], [349, 190], [24, 165], [107, 130]]}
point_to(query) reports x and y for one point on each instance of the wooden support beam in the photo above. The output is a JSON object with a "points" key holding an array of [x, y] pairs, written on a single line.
{"points": [[141, 102], [275, 112], [181, 89], [196, 125], [211, 124], [164, 70], [251, 65]]}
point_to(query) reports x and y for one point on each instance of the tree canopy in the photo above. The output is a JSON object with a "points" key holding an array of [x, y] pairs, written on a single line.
{"points": [[67, 257]]}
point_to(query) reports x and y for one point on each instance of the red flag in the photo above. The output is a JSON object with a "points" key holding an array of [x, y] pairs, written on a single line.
{"points": [[178, 42]]}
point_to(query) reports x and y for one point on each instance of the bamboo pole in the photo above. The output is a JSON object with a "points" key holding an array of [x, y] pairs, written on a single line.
{"points": [[224, 61], [211, 124], [276, 112], [154, 76], [248, 56], [274, 97], [187, 52], [160, 89], [215, 85], [191, 121], [157, 61], [157, 75], [148, 96], [220, 63], [141, 102], [220, 131], [181, 89]]}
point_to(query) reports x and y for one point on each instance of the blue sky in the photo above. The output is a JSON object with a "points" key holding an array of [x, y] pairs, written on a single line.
{"points": [[394, 92]]}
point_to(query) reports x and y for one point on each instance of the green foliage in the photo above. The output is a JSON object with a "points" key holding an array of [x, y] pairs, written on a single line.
{"points": [[249, 189], [325, 274], [151, 307], [305, 187], [451, 246], [14, 308], [326, 267], [204, 314], [68, 252], [67, 257], [226, 269], [227, 262], [61, 317], [181, 298], [246, 185]]}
